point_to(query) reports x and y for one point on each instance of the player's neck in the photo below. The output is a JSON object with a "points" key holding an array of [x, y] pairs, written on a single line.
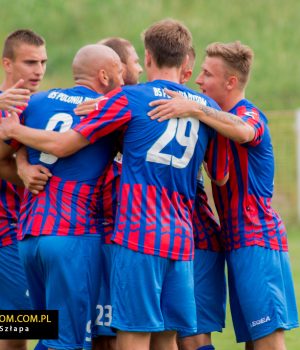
{"points": [[170, 74], [89, 85], [231, 100]]}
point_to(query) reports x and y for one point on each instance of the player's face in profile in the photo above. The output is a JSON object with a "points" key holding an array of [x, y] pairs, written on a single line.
{"points": [[29, 64], [116, 75], [212, 78], [133, 69]]}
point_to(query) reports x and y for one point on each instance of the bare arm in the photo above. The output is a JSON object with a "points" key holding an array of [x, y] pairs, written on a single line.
{"points": [[14, 97], [59, 144], [8, 168], [34, 177], [88, 106], [227, 124]]}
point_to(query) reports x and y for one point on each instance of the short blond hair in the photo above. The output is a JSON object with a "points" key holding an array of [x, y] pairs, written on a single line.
{"points": [[237, 57]]}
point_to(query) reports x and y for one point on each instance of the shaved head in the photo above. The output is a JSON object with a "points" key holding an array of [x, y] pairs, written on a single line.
{"points": [[90, 58], [97, 66]]}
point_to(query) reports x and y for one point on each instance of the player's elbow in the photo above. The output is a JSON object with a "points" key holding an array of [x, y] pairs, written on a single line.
{"points": [[246, 134], [61, 151], [67, 144]]}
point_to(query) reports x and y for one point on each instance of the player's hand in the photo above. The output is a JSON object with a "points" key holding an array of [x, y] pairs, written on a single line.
{"points": [[34, 177], [8, 124], [176, 107], [88, 106], [14, 97]]}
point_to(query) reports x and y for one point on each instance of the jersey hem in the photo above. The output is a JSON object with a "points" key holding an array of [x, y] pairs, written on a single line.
{"points": [[159, 253]]}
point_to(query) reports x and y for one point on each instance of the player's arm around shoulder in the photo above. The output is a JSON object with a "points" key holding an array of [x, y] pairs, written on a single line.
{"points": [[227, 124], [59, 144]]}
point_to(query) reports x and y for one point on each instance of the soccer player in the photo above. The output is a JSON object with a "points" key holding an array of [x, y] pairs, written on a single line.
{"points": [[261, 289], [209, 261], [153, 234], [24, 61], [108, 202], [110, 190], [129, 58], [60, 227]]}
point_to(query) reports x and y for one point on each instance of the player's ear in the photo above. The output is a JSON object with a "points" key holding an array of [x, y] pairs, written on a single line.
{"points": [[124, 66], [148, 58], [7, 64], [103, 77], [232, 82], [186, 76]]}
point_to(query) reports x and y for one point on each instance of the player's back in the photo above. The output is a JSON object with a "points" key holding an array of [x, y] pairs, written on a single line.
{"points": [[158, 182], [68, 205], [53, 110]]}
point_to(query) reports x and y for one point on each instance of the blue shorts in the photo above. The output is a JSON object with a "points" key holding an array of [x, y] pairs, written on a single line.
{"points": [[102, 323], [151, 294], [63, 274], [14, 294], [210, 291], [261, 291]]}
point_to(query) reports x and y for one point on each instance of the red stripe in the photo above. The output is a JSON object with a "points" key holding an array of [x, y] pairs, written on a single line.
{"points": [[178, 226], [123, 213], [165, 223], [135, 220], [150, 220]]}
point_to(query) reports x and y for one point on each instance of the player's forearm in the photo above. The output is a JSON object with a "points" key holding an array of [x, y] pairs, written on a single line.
{"points": [[52, 142], [227, 124]]}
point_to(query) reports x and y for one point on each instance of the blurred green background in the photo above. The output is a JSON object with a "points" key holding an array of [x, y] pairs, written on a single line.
{"points": [[270, 27]]}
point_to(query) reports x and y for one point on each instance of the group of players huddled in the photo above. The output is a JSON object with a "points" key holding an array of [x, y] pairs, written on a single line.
{"points": [[103, 211]]}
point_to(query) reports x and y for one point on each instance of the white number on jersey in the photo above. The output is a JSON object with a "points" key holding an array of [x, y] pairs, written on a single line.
{"points": [[105, 315], [66, 121], [88, 330], [176, 128]]}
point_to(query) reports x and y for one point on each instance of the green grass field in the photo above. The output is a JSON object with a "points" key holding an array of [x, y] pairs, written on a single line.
{"points": [[269, 27]]}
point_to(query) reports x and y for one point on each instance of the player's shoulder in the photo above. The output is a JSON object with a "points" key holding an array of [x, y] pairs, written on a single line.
{"points": [[73, 95], [201, 98], [247, 108], [159, 87], [39, 95]]}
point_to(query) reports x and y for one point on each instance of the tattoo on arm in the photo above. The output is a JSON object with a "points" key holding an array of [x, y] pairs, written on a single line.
{"points": [[220, 115]]}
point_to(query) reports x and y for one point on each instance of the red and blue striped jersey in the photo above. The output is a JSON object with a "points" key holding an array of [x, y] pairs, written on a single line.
{"points": [[205, 225], [207, 230], [244, 202], [68, 205], [159, 171], [109, 199], [10, 197]]}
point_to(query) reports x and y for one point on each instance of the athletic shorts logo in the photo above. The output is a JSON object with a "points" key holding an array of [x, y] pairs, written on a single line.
{"points": [[258, 322]]}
